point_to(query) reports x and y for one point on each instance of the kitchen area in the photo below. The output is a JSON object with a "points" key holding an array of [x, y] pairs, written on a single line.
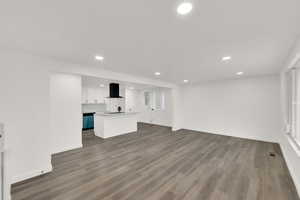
{"points": [[111, 108]]}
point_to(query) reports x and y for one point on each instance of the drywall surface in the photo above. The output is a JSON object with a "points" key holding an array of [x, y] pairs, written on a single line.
{"points": [[132, 100], [246, 108], [24, 110], [65, 112]]}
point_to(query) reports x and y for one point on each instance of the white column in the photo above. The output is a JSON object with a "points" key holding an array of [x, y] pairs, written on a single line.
{"points": [[177, 97]]}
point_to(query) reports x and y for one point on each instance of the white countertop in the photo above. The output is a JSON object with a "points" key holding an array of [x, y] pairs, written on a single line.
{"points": [[103, 114]]}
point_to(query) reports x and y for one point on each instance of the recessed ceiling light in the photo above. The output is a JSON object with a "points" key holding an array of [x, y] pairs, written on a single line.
{"points": [[157, 73], [185, 81], [226, 58], [239, 73], [131, 88], [100, 58], [102, 85], [184, 8]]}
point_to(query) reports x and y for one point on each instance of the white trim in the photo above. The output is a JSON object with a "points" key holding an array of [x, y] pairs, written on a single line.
{"points": [[31, 174], [291, 106], [294, 144], [294, 61], [174, 129], [68, 149], [289, 147], [8, 197], [289, 165], [235, 136], [293, 175], [157, 124]]}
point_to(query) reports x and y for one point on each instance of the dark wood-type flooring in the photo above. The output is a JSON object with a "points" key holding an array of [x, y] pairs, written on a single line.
{"points": [[157, 164]]}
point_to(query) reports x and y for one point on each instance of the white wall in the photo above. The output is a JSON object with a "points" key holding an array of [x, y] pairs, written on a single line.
{"points": [[291, 156], [65, 112], [132, 100], [246, 108], [177, 97], [24, 109]]}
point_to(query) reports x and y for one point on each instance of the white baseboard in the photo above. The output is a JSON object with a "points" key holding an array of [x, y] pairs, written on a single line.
{"points": [[37, 172], [67, 148], [31, 174], [156, 123], [287, 158], [176, 129], [237, 136], [25, 176], [293, 174], [42, 170]]}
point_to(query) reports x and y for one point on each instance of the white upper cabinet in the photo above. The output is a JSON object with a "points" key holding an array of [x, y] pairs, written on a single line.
{"points": [[94, 95]]}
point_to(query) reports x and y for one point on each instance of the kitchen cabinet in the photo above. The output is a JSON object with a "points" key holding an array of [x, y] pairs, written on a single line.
{"points": [[94, 95]]}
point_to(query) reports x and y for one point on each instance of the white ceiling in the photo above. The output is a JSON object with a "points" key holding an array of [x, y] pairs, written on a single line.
{"points": [[140, 37]]}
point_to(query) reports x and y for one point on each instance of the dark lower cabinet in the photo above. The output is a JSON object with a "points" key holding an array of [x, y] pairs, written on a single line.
{"points": [[88, 121]]}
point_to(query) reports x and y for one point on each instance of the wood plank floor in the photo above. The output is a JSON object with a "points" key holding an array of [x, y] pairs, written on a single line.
{"points": [[156, 164]]}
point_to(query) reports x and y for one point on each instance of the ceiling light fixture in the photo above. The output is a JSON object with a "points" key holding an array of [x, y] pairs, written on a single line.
{"points": [[225, 58], [184, 8], [131, 88], [239, 73], [102, 85], [185, 81], [100, 58], [157, 73]]}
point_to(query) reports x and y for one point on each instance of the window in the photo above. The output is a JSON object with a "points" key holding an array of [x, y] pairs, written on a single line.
{"points": [[155, 99], [292, 82]]}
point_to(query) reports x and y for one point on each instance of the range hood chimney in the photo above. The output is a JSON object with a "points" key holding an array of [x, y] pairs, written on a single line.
{"points": [[114, 90]]}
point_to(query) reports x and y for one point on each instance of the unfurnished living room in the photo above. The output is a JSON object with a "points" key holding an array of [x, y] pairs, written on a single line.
{"points": [[150, 100]]}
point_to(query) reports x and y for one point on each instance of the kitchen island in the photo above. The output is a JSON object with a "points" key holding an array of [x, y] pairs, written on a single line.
{"points": [[113, 124]]}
